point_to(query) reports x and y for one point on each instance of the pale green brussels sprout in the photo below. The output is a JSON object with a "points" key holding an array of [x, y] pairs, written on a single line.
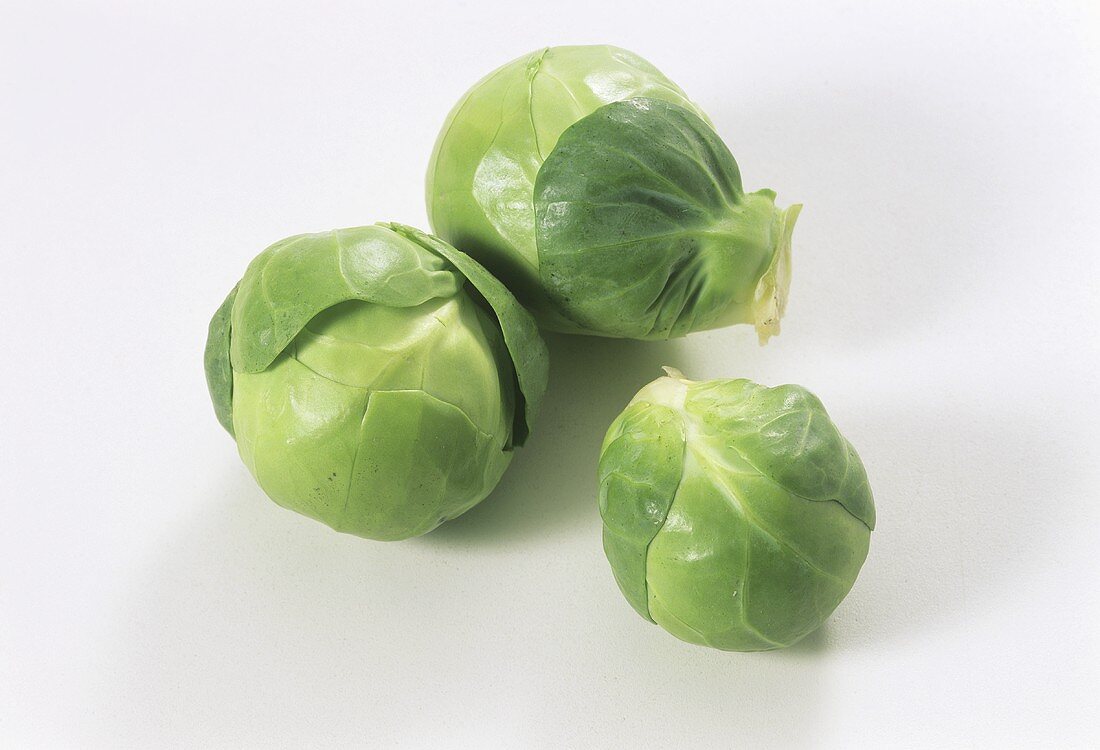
{"points": [[734, 515], [599, 193], [375, 378]]}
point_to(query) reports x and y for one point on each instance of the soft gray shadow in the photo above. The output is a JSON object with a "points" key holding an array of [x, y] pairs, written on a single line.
{"points": [[252, 626], [813, 645], [692, 691], [970, 504], [550, 488]]}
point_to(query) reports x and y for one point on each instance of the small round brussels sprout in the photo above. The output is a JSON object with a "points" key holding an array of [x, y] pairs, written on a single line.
{"points": [[600, 194], [734, 515], [375, 378]]}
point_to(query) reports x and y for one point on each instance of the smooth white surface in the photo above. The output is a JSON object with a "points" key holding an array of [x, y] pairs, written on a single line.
{"points": [[943, 307]]}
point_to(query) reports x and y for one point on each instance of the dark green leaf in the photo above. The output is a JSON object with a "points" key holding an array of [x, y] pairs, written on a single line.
{"points": [[642, 227], [219, 373], [787, 435]]}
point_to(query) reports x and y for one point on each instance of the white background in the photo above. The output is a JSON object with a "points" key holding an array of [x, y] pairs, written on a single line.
{"points": [[943, 307]]}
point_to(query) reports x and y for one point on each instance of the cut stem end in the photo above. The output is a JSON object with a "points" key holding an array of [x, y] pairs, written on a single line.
{"points": [[770, 299]]}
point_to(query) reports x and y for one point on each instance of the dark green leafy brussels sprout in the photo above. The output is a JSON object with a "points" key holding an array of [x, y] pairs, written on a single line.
{"points": [[734, 516], [374, 378], [590, 184]]}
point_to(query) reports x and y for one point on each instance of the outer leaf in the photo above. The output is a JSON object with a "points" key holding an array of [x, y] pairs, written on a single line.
{"points": [[640, 470], [298, 433], [219, 373], [697, 565], [413, 440], [786, 434], [380, 348], [526, 347], [379, 464], [377, 441], [642, 227], [293, 280]]}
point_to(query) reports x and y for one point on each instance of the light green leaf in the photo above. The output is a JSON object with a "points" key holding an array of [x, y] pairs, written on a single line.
{"points": [[640, 470], [293, 280], [525, 346]]}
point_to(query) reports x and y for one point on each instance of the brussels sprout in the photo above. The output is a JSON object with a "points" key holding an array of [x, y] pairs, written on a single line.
{"points": [[734, 515], [589, 183], [375, 378]]}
